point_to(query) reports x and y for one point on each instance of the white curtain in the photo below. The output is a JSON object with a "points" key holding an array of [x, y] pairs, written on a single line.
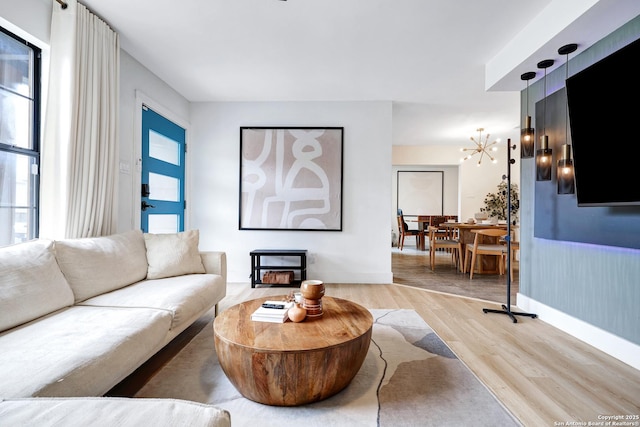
{"points": [[79, 149]]}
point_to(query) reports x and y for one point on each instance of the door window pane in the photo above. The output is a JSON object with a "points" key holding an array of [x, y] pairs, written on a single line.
{"points": [[163, 224], [163, 148], [162, 187]]}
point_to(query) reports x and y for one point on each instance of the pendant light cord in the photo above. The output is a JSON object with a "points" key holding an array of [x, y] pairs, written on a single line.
{"points": [[527, 97], [544, 113], [566, 104]]}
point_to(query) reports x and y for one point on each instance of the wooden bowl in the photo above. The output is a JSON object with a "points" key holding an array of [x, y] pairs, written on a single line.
{"points": [[312, 289]]}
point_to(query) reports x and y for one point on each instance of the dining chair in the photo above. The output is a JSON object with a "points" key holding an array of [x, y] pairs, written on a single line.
{"points": [[452, 232], [436, 243], [480, 247], [404, 231], [436, 220]]}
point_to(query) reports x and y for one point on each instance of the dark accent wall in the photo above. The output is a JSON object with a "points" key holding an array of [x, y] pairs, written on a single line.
{"points": [[557, 216]]}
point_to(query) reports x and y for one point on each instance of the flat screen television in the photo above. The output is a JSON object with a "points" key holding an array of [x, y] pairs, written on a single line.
{"points": [[604, 115]]}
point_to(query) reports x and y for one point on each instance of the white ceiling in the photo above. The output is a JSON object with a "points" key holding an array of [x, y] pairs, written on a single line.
{"points": [[449, 66]]}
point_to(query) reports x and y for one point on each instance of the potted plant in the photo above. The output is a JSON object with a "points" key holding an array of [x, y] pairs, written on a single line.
{"points": [[495, 204]]}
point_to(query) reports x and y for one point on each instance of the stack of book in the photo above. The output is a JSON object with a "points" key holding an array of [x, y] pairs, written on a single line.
{"points": [[272, 311]]}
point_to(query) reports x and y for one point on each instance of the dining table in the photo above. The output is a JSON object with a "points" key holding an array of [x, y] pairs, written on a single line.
{"points": [[464, 231]]}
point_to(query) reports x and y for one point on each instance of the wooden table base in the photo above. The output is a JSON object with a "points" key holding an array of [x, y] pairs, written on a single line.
{"points": [[289, 364]]}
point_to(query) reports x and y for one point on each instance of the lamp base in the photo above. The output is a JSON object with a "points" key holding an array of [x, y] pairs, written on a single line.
{"points": [[508, 312]]}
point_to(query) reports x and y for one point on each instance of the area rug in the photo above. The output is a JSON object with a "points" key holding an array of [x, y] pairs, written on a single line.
{"points": [[409, 378]]}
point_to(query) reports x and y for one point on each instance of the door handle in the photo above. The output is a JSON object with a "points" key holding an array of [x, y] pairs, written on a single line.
{"points": [[146, 205]]}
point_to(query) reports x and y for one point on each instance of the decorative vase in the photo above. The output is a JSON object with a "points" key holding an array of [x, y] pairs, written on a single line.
{"points": [[312, 292], [312, 289], [297, 313]]}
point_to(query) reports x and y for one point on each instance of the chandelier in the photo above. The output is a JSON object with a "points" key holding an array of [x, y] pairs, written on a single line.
{"points": [[482, 147]]}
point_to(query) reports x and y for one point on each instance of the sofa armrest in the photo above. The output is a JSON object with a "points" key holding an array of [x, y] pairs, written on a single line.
{"points": [[215, 262]]}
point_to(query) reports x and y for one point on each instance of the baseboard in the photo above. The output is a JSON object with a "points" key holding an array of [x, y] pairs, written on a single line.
{"points": [[604, 341]]}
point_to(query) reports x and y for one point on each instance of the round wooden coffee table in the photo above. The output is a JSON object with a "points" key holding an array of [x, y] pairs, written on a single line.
{"points": [[289, 364]]}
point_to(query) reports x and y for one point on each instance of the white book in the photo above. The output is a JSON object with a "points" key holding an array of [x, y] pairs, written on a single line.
{"points": [[269, 319], [276, 315]]}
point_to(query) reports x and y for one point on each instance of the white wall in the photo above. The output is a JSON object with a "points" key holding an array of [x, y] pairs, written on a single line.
{"points": [[358, 254], [29, 19], [449, 191], [474, 182]]}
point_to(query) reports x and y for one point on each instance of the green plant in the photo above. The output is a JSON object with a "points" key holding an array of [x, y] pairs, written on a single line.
{"points": [[495, 204]]}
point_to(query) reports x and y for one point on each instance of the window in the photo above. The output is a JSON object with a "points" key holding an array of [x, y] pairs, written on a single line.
{"points": [[19, 138]]}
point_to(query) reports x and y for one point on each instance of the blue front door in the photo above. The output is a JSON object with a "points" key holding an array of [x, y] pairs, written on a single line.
{"points": [[163, 157]]}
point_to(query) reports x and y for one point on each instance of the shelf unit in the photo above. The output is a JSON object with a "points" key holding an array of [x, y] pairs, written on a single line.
{"points": [[257, 267]]}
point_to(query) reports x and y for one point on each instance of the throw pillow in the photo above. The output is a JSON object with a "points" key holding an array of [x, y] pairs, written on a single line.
{"points": [[173, 254], [31, 283], [96, 265]]}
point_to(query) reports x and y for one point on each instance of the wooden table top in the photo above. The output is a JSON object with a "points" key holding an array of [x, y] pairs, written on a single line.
{"points": [[466, 225], [342, 321]]}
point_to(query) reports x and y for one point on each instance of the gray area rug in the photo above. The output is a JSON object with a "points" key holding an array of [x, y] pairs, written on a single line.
{"points": [[409, 378]]}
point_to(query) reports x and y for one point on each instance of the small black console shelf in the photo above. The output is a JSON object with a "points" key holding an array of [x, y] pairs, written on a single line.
{"points": [[257, 267]]}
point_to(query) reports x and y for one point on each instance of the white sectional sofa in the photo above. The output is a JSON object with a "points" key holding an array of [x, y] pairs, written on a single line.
{"points": [[79, 315]]}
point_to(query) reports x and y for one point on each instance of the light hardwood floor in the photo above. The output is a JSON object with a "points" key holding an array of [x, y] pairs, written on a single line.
{"points": [[544, 376]]}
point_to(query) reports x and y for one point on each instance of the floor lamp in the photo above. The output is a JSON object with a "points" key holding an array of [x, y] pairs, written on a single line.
{"points": [[506, 309]]}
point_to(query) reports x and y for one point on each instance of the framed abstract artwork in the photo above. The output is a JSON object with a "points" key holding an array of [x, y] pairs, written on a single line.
{"points": [[291, 178]]}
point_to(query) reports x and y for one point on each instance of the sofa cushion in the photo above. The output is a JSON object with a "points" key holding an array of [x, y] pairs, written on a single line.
{"points": [[184, 297], [173, 254], [96, 265], [79, 351], [31, 283], [109, 412]]}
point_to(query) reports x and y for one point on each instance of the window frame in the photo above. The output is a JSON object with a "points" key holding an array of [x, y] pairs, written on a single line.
{"points": [[35, 131]]}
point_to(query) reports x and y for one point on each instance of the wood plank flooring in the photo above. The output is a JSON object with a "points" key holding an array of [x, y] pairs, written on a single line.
{"points": [[411, 267], [542, 375]]}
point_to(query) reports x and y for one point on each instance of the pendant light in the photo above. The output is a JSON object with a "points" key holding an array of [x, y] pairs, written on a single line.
{"points": [[544, 154], [527, 133], [565, 172]]}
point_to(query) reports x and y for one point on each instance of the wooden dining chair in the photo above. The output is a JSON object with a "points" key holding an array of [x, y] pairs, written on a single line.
{"points": [[452, 232], [404, 231], [436, 243], [480, 247], [436, 220]]}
